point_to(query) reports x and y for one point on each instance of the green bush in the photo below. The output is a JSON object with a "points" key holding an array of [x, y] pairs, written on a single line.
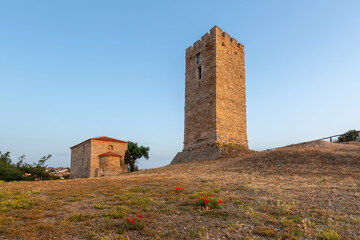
{"points": [[207, 202], [22, 171], [350, 135], [134, 224]]}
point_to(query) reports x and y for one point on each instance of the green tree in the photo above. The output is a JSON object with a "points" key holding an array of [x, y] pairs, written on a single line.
{"points": [[350, 135], [22, 171], [35, 171], [8, 171], [134, 153]]}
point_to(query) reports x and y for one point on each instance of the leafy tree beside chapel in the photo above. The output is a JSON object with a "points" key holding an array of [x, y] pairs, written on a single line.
{"points": [[133, 153]]}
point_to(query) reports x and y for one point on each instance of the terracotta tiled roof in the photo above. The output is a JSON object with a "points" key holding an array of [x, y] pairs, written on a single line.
{"points": [[112, 154], [107, 139], [103, 138]]}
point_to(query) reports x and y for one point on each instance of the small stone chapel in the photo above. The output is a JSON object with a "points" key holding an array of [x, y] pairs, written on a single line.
{"points": [[99, 156]]}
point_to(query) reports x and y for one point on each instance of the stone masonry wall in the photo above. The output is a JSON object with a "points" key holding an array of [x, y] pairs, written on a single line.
{"points": [[215, 104], [200, 108], [110, 165], [80, 160], [98, 147], [230, 91]]}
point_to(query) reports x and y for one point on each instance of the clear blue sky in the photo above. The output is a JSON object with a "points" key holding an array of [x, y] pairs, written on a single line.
{"points": [[71, 70]]}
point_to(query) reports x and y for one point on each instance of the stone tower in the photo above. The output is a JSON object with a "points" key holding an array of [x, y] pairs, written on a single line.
{"points": [[215, 98]]}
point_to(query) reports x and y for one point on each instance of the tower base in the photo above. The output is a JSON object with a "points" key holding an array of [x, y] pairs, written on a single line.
{"points": [[209, 153]]}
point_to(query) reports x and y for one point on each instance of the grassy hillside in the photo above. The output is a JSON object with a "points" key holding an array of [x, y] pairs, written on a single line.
{"points": [[291, 193]]}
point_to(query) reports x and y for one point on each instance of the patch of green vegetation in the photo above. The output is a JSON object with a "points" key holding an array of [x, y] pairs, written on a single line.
{"points": [[5, 222], [297, 233], [207, 202], [100, 205], [124, 196], [290, 220], [78, 217], [216, 190], [35, 192], [328, 234], [117, 212], [237, 201], [137, 190], [15, 200], [134, 224], [185, 209]]}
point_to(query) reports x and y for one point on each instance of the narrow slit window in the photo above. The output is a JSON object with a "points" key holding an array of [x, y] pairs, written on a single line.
{"points": [[199, 72], [198, 58]]}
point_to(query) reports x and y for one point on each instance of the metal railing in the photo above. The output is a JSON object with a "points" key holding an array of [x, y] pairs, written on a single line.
{"points": [[321, 139], [343, 135]]}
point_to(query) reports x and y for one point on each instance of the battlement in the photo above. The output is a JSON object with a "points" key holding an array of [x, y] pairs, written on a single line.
{"points": [[214, 32]]}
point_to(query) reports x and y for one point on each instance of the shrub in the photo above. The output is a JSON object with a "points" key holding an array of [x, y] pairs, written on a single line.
{"points": [[207, 202], [350, 135], [134, 224], [22, 171], [179, 189]]}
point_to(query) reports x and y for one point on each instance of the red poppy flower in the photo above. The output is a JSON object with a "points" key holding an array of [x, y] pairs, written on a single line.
{"points": [[132, 221], [182, 189], [140, 216], [219, 201], [128, 219]]}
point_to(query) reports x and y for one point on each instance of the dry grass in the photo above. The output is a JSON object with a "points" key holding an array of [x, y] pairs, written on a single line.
{"points": [[307, 193]]}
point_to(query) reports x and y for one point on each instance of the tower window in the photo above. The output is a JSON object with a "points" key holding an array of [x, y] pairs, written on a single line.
{"points": [[198, 58], [199, 72], [110, 147]]}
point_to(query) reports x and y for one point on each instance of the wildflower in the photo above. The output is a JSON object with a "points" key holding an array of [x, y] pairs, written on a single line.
{"points": [[132, 221], [128, 219], [219, 201], [140, 216], [182, 189]]}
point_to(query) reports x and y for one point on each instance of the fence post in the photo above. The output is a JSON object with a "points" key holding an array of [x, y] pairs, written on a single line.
{"points": [[359, 135]]}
